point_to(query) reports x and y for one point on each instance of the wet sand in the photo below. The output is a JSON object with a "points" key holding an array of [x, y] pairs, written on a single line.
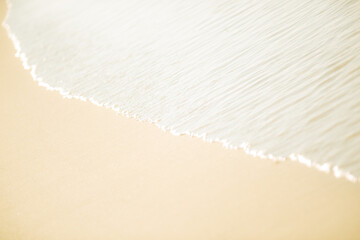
{"points": [[72, 170]]}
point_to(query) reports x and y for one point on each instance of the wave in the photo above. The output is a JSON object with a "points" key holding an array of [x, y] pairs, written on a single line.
{"points": [[277, 79]]}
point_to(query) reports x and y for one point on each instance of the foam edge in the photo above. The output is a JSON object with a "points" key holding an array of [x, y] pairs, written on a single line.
{"points": [[328, 168]]}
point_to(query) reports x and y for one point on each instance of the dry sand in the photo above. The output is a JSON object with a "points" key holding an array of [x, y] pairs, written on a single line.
{"points": [[72, 170]]}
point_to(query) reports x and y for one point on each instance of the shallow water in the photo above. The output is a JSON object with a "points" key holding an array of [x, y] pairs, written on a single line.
{"points": [[280, 79]]}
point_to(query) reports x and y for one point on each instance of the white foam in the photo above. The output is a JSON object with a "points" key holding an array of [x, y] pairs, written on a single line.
{"points": [[283, 77]]}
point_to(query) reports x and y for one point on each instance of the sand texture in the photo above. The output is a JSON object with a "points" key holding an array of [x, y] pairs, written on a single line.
{"points": [[72, 170]]}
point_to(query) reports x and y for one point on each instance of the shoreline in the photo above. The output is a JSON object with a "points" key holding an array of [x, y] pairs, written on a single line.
{"points": [[327, 168], [69, 170]]}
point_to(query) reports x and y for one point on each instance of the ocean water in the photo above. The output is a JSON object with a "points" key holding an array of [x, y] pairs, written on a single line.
{"points": [[278, 78]]}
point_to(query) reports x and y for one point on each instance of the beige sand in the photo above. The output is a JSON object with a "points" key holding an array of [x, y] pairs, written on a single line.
{"points": [[72, 170]]}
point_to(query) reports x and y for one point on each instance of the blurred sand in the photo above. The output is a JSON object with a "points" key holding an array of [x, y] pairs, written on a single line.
{"points": [[71, 170]]}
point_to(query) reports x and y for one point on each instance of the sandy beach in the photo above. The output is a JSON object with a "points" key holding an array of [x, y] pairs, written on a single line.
{"points": [[72, 170]]}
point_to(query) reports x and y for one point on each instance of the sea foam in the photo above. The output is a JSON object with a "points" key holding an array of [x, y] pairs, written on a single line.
{"points": [[280, 79]]}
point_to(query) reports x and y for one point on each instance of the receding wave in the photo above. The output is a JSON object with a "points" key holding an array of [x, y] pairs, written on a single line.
{"points": [[280, 79]]}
